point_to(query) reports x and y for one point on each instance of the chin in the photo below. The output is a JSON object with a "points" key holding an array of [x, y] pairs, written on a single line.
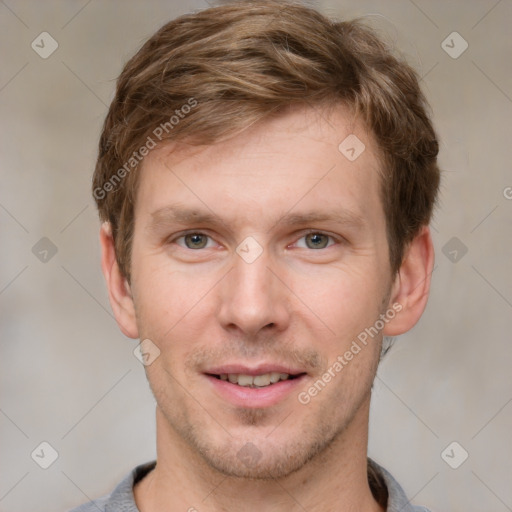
{"points": [[258, 456]]}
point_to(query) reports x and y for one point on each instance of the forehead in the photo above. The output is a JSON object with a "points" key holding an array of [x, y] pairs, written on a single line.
{"points": [[305, 158]]}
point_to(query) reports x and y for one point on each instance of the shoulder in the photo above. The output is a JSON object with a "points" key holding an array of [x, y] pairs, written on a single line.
{"points": [[93, 506], [121, 498], [382, 482]]}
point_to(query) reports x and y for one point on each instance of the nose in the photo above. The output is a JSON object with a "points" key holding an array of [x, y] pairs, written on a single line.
{"points": [[253, 299]]}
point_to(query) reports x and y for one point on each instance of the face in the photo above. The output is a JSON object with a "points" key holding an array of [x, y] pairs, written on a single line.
{"points": [[262, 258]]}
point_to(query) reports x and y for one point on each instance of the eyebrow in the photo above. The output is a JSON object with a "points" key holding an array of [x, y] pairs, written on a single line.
{"points": [[180, 215], [176, 214], [341, 216]]}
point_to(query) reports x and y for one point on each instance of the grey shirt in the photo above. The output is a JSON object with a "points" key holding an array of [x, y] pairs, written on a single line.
{"points": [[385, 488]]}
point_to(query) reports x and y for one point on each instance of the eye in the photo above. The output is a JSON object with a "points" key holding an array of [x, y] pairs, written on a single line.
{"points": [[316, 240], [194, 241]]}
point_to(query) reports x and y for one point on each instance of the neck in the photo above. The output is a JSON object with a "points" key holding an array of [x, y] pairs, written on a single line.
{"points": [[335, 480]]}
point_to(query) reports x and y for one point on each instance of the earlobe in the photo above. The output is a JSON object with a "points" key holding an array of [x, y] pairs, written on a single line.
{"points": [[412, 284], [119, 290]]}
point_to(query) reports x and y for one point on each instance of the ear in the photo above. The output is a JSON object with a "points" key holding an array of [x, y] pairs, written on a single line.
{"points": [[412, 284], [119, 291]]}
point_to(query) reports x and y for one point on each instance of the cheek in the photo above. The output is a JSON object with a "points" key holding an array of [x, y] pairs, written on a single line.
{"points": [[163, 288], [346, 301], [171, 305]]}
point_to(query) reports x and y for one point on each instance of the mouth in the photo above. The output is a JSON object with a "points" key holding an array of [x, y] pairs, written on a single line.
{"points": [[255, 381], [258, 387]]}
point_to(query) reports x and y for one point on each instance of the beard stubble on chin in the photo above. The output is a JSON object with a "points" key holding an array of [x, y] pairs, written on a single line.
{"points": [[312, 444]]}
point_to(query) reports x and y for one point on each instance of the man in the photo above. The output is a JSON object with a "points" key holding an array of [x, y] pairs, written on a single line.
{"points": [[265, 178]]}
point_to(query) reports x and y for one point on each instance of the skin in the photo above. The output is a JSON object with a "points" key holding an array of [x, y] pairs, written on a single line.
{"points": [[297, 304]]}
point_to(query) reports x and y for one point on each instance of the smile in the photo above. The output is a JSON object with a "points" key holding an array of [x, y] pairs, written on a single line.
{"points": [[257, 387], [255, 381]]}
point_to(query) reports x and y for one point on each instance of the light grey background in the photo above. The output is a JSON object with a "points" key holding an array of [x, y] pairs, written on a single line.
{"points": [[68, 375]]}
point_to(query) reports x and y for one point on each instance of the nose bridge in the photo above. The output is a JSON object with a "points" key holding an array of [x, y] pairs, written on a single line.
{"points": [[252, 298], [252, 278]]}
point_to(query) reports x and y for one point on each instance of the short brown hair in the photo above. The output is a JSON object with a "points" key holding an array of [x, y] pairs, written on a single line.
{"points": [[207, 75]]}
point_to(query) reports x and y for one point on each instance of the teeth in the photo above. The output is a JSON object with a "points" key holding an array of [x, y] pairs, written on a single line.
{"points": [[245, 380], [254, 381], [261, 380], [274, 377]]}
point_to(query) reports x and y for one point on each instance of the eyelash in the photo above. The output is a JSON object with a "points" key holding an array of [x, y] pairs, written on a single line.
{"points": [[310, 232]]}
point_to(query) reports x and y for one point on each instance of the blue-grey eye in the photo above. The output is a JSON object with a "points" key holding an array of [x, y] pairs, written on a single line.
{"points": [[195, 240], [317, 240]]}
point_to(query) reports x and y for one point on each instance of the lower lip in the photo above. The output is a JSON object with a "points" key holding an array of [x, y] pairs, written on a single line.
{"points": [[241, 396]]}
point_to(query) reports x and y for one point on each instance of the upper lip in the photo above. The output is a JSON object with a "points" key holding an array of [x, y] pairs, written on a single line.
{"points": [[253, 370]]}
